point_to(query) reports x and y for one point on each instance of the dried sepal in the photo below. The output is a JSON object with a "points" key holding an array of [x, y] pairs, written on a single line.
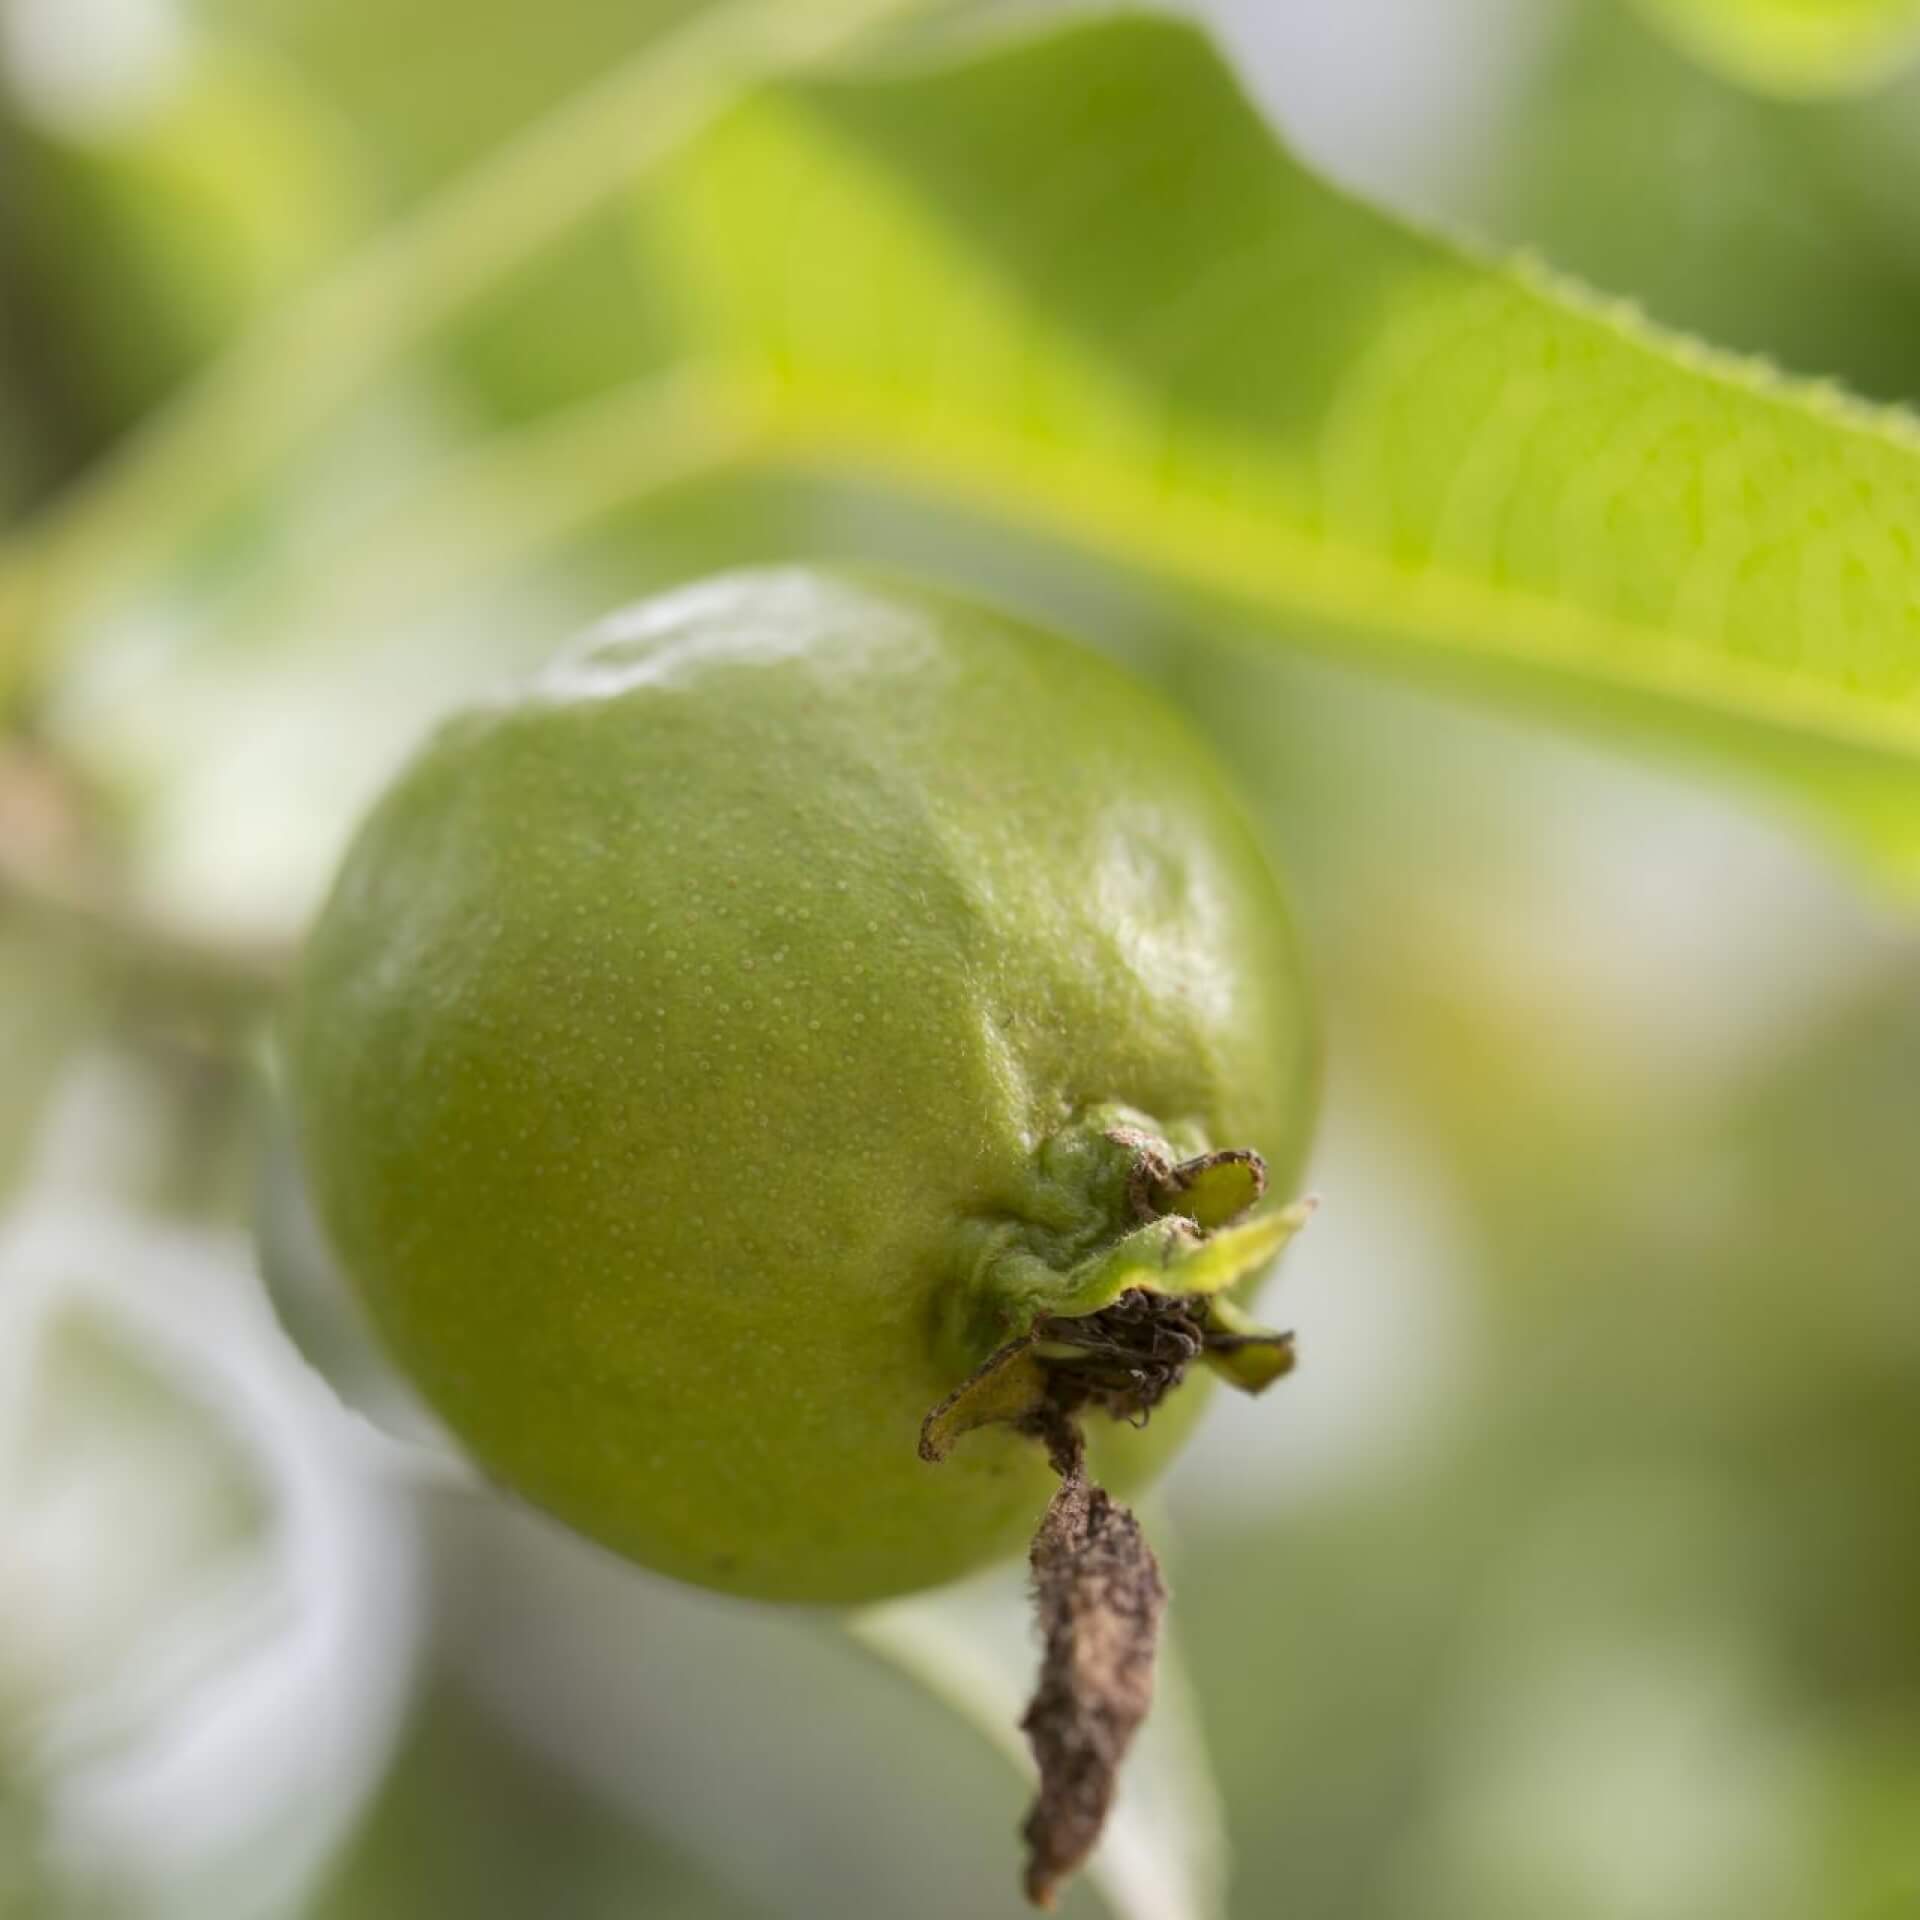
{"points": [[1212, 1189], [1243, 1353], [1008, 1388]]}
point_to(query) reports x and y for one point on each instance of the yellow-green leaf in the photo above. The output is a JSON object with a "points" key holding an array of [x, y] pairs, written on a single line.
{"points": [[1795, 47], [1075, 282]]}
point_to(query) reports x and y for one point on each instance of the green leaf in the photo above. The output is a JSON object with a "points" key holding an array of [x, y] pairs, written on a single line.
{"points": [[1076, 284], [1795, 47]]}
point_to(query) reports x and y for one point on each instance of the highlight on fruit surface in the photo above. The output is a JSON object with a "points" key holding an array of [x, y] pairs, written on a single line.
{"points": [[804, 1088]]}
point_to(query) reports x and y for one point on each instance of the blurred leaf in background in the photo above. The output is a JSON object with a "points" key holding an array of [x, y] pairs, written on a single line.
{"points": [[150, 223], [1796, 46], [473, 1821], [1576, 1636]]}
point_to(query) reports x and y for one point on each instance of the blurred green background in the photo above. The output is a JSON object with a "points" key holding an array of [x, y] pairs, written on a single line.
{"points": [[1575, 1574]]}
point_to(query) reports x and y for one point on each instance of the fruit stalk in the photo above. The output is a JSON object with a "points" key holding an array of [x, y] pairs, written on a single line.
{"points": [[1100, 1596]]}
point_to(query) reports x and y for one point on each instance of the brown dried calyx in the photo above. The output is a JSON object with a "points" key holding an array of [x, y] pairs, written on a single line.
{"points": [[1118, 1332], [1128, 1357], [1121, 1328]]}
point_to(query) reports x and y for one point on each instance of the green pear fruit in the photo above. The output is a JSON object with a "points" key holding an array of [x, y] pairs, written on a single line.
{"points": [[808, 1005]]}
